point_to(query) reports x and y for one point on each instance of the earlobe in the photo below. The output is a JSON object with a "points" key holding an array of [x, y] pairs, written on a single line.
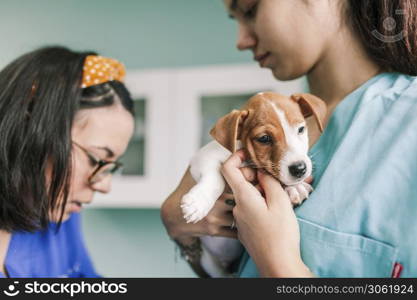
{"points": [[312, 105], [227, 129]]}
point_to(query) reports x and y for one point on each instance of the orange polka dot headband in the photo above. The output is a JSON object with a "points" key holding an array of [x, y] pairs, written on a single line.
{"points": [[99, 69]]}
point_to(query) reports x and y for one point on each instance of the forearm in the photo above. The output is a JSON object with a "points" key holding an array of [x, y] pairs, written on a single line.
{"points": [[192, 252], [202, 261], [300, 270], [186, 235], [189, 245], [282, 267]]}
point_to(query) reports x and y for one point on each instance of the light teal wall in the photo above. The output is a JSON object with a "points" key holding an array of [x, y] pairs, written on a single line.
{"points": [[142, 34], [131, 243]]}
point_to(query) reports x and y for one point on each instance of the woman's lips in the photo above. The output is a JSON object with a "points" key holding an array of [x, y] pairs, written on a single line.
{"points": [[75, 206], [262, 58]]}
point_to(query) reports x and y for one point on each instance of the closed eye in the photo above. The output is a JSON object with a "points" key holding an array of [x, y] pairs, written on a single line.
{"points": [[250, 13], [265, 139], [249, 9]]}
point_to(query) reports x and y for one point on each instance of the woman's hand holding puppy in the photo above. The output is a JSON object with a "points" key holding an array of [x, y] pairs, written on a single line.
{"points": [[267, 225]]}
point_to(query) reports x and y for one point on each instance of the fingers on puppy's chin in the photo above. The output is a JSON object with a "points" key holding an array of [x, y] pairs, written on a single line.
{"points": [[241, 154], [264, 175], [249, 175], [259, 188]]}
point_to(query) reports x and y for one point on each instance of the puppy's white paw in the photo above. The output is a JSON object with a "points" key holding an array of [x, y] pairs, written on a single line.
{"points": [[299, 192], [195, 205]]}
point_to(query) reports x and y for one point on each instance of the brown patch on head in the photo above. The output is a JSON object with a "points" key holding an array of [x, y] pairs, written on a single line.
{"points": [[291, 109], [263, 120]]}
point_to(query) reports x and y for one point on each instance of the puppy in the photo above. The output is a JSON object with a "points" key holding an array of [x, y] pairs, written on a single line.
{"points": [[271, 128]]}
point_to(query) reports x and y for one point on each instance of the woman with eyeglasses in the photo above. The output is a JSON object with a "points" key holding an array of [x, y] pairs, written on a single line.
{"points": [[65, 119]]}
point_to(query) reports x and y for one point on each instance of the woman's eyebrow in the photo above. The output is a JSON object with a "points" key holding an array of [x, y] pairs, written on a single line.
{"points": [[110, 153], [233, 5]]}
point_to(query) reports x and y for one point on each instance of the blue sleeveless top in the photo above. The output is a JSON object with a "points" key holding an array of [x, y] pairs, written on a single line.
{"points": [[48, 253]]}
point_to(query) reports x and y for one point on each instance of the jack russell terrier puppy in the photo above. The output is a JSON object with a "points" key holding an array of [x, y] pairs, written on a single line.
{"points": [[271, 128]]}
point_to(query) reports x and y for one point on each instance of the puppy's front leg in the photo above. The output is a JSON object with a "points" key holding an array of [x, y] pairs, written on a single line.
{"points": [[205, 169], [198, 202]]}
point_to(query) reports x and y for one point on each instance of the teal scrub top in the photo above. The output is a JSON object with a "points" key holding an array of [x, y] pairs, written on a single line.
{"points": [[361, 219]]}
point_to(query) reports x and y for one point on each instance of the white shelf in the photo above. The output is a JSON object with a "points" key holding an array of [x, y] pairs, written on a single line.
{"points": [[129, 192]]}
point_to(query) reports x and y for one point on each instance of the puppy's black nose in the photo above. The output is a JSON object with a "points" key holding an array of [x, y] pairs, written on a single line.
{"points": [[298, 169]]}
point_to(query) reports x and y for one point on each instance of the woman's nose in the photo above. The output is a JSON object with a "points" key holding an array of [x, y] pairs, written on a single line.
{"points": [[104, 185], [246, 38]]}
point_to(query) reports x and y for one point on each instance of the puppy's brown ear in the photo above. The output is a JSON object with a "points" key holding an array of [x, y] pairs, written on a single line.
{"points": [[312, 105], [227, 129]]}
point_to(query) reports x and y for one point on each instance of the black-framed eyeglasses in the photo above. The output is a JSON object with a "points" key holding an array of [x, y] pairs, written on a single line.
{"points": [[103, 167]]}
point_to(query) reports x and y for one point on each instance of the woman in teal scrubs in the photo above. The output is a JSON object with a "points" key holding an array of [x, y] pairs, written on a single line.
{"points": [[360, 221]]}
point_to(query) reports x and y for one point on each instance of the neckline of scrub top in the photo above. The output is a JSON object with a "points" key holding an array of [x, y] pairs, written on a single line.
{"points": [[344, 104], [8, 267]]}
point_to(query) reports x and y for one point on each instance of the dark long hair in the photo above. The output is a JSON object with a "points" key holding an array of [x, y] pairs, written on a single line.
{"points": [[40, 93], [388, 30]]}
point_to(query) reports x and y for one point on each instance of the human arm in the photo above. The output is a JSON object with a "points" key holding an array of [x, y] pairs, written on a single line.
{"points": [[187, 235]]}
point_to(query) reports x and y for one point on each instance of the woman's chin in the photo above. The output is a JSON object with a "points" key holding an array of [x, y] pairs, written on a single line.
{"points": [[56, 216], [284, 74]]}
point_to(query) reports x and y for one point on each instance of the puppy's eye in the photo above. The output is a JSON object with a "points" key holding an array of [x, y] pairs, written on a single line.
{"points": [[265, 139], [301, 130]]}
